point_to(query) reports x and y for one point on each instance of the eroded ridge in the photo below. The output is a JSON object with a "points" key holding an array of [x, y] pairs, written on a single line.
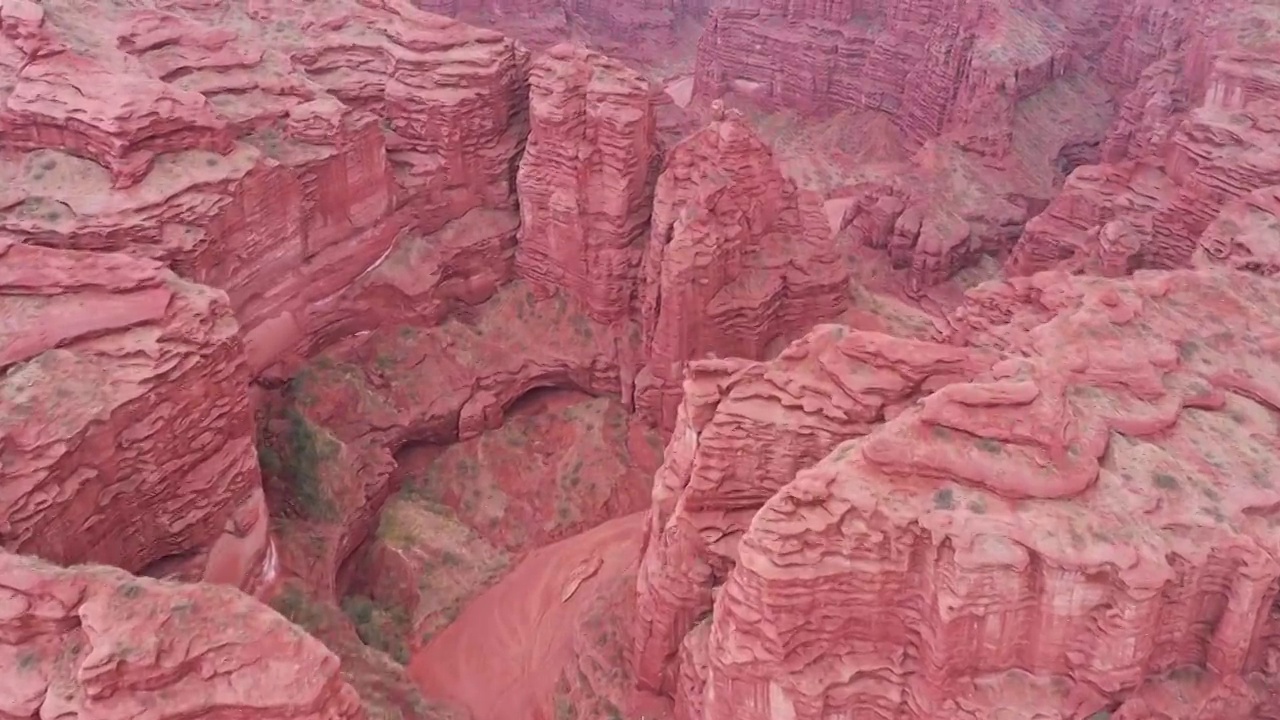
{"points": [[1063, 530], [737, 259]]}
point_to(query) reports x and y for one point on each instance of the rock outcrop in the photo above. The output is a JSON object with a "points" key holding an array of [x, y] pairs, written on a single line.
{"points": [[827, 387], [586, 179], [124, 387], [738, 260], [1197, 133], [931, 65], [273, 151], [97, 643], [1063, 529]]}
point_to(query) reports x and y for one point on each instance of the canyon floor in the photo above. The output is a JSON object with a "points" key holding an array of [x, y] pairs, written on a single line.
{"points": [[533, 360]]}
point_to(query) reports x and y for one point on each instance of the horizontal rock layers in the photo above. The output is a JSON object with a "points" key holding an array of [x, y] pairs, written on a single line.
{"points": [[285, 157], [743, 430], [1064, 528], [586, 179], [96, 643], [122, 387], [737, 258], [1197, 132], [929, 65]]}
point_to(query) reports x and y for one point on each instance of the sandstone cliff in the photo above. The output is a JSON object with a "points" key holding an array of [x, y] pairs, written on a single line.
{"points": [[738, 259], [1197, 131], [273, 151], [123, 387], [586, 179], [1060, 530], [821, 390]]}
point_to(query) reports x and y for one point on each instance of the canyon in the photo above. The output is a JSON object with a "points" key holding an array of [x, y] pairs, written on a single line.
{"points": [[575, 361]]}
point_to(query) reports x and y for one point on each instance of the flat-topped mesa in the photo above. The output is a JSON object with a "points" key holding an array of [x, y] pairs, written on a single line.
{"points": [[124, 387], [743, 430], [341, 126], [1199, 131], [96, 643], [586, 179], [1094, 515], [738, 259]]}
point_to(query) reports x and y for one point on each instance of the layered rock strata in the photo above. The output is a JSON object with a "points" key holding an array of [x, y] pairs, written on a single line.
{"points": [[1061, 530], [931, 66], [291, 148], [1195, 136], [586, 179], [737, 260], [124, 387], [709, 488], [97, 643]]}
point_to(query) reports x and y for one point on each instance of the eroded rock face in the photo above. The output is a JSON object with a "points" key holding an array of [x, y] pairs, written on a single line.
{"points": [[586, 179], [271, 150], [737, 259], [743, 431], [124, 387], [97, 643], [1194, 138], [1058, 531]]}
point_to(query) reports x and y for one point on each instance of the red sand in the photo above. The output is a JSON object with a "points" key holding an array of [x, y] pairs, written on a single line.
{"points": [[520, 629]]}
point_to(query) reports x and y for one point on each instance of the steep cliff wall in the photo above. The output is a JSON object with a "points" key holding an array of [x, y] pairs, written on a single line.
{"points": [[737, 259], [123, 387], [1198, 132], [273, 151], [1062, 529], [586, 179], [743, 431]]}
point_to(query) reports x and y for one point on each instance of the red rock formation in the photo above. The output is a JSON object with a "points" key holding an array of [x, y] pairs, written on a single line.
{"points": [[586, 179], [123, 387], [709, 487], [738, 259], [1063, 529], [930, 65], [267, 171], [99, 644], [1197, 132]]}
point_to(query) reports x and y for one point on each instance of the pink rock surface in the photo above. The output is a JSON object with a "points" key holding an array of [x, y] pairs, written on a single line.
{"points": [[586, 178], [273, 151], [738, 260], [1060, 530], [97, 643], [1197, 133], [123, 387], [790, 412]]}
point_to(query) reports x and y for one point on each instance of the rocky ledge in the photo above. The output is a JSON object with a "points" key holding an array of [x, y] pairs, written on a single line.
{"points": [[1054, 524]]}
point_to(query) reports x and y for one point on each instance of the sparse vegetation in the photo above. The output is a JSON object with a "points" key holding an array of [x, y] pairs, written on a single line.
{"points": [[299, 609], [307, 449], [944, 499], [379, 627]]}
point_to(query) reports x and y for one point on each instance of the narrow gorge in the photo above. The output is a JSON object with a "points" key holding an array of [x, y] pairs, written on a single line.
{"points": [[744, 360]]}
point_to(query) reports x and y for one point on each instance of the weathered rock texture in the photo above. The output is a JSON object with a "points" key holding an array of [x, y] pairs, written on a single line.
{"points": [[1196, 135], [931, 65], [586, 179], [737, 259], [828, 387], [123, 387], [273, 150], [96, 643], [1062, 529]]}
